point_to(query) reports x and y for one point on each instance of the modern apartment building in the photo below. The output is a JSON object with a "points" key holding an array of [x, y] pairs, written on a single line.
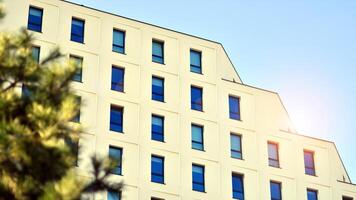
{"points": [[173, 110]]}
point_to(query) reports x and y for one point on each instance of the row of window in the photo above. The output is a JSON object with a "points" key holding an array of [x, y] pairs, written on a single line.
{"points": [[34, 23]]}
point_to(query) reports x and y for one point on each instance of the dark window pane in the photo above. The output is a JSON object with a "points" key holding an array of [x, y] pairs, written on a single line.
{"points": [[234, 108], [117, 79], [196, 98], [76, 118], [309, 163], [312, 194], [195, 61], [236, 150], [118, 41], [347, 198], [36, 53], [78, 61], [275, 189], [157, 89], [112, 195], [157, 128], [115, 154], [157, 169], [273, 157], [116, 119], [197, 137], [77, 30], [35, 19], [157, 52], [237, 187], [198, 178]]}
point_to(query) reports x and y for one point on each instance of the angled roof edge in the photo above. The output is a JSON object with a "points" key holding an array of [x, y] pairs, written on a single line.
{"points": [[168, 29], [342, 162]]}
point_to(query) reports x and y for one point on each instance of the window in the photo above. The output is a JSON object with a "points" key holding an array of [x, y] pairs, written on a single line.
{"points": [[157, 89], [234, 107], [117, 78], [115, 154], [197, 137], [78, 61], [36, 53], [154, 198], [235, 143], [346, 198], [273, 157], [237, 186], [35, 19], [76, 118], [157, 169], [276, 190], [198, 178], [196, 98], [74, 148], [157, 128], [77, 32], [157, 51], [118, 41], [113, 195], [312, 194], [195, 61], [116, 118], [309, 162]]}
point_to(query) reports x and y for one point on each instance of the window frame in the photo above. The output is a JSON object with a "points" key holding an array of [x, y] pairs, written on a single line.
{"points": [[163, 88], [280, 189], [110, 191], [161, 42], [80, 69], [161, 117], [123, 47], [313, 191], [117, 107], [118, 165], [71, 30], [39, 53], [242, 177], [194, 182], [114, 84], [306, 168], [202, 98], [157, 174], [202, 137], [76, 118], [232, 134], [200, 60], [239, 108], [28, 18], [347, 198], [276, 144]]}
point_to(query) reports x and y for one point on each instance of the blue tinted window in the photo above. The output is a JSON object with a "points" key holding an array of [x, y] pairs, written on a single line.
{"points": [[309, 162], [78, 61], [196, 95], [118, 44], [157, 51], [273, 158], [157, 128], [235, 143], [195, 61], [112, 195], [157, 89], [35, 19], [197, 137], [157, 169], [77, 31], [115, 154], [36, 53], [312, 194], [275, 189], [198, 178], [116, 118], [234, 108], [76, 118], [117, 79], [237, 187]]}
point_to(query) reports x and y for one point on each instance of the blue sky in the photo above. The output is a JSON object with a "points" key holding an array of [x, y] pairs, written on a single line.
{"points": [[304, 50]]}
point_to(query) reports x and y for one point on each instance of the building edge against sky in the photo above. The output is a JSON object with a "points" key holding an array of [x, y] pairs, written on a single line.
{"points": [[155, 137]]}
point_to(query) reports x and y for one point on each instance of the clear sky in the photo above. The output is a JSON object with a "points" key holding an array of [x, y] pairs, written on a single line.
{"points": [[304, 50]]}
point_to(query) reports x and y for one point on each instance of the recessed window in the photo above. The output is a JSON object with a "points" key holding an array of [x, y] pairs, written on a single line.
{"points": [[195, 61], [237, 186], [157, 89], [157, 169], [157, 51], [197, 137], [273, 157], [312, 194], [196, 98], [309, 162], [157, 128], [115, 154], [36, 53], [35, 19], [235, 144], [113, 195], [77, 30], [76, 118], [154, 198], [74, 148], [78, 61], [234, 108], [276, 190], [117, 78], [347, 198], [118, 44], [116, 118], [198, 178]]}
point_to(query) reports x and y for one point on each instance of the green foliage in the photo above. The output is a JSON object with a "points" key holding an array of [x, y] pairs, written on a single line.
{"points": [[35, 160]]}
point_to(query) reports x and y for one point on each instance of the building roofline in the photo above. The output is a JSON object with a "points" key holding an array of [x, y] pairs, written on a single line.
{"points": [[157, 26]]}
